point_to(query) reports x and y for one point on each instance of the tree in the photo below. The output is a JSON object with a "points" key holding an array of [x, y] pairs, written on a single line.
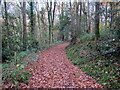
{"points": [[24, 25], [49, 8], [117, 19], [75, 23], [6, 19], [32, 19], [97, 6], [62, 22], [51, 15], [5, 35], [106, 15], [111, 14], [33, 42], [89, 18]]}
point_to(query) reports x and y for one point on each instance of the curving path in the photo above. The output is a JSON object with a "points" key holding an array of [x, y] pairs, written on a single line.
{"points": [[54, 70]]}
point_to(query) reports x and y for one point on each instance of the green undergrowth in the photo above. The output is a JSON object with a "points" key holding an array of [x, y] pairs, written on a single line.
{"points": [[57, 43], [103, 69], [15, 71]]}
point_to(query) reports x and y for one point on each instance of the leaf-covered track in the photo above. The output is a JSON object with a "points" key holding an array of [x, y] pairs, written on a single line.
{"points": [[55, 70]]}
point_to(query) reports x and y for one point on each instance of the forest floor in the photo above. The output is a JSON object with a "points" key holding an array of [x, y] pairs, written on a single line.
{"points": [[55, 70]]}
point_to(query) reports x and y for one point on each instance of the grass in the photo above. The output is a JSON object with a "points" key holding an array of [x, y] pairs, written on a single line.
{"points": [[102, 69]]}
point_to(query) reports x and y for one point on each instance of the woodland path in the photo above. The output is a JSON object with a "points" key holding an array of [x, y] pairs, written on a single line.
{"points": [[55, 70]]}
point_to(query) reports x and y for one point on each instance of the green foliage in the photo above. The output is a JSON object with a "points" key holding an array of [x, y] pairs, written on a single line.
{"points": [[33, 56], [109, 43], [22, 54], [109, 47], [12, 39], [108, 33], [64, 20], [57, 43], [55, 27], [87, 37], [15, 73], [101, 26], [85, 54]]}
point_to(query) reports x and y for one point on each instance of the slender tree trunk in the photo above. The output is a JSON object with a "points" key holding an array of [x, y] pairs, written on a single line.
{"points": [[38, 16], [80, 14], [97, 34], [53, 17], [50, 24], [111, 16], [83, 9], [70, 4], [89, 22], [77, 20], [24, 25], [106, 15], [62, 33], [6, 16], [6, 22], [32, 19], [49, 8]]}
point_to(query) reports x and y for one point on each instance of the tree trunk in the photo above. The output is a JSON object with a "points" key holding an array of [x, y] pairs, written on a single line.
{"points": [[32, 19], [83, 9], [6, 23], [97, 34], [75, 33], [6, 16], [24, 25], [61, 29], [53, 16], [89, 20], [111, 16], [80, 14], [106, 15], [49, 9], [77, 20]]}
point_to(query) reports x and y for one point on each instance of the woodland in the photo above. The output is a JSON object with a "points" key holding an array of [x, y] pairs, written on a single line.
{"points": [[60, 44]]}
